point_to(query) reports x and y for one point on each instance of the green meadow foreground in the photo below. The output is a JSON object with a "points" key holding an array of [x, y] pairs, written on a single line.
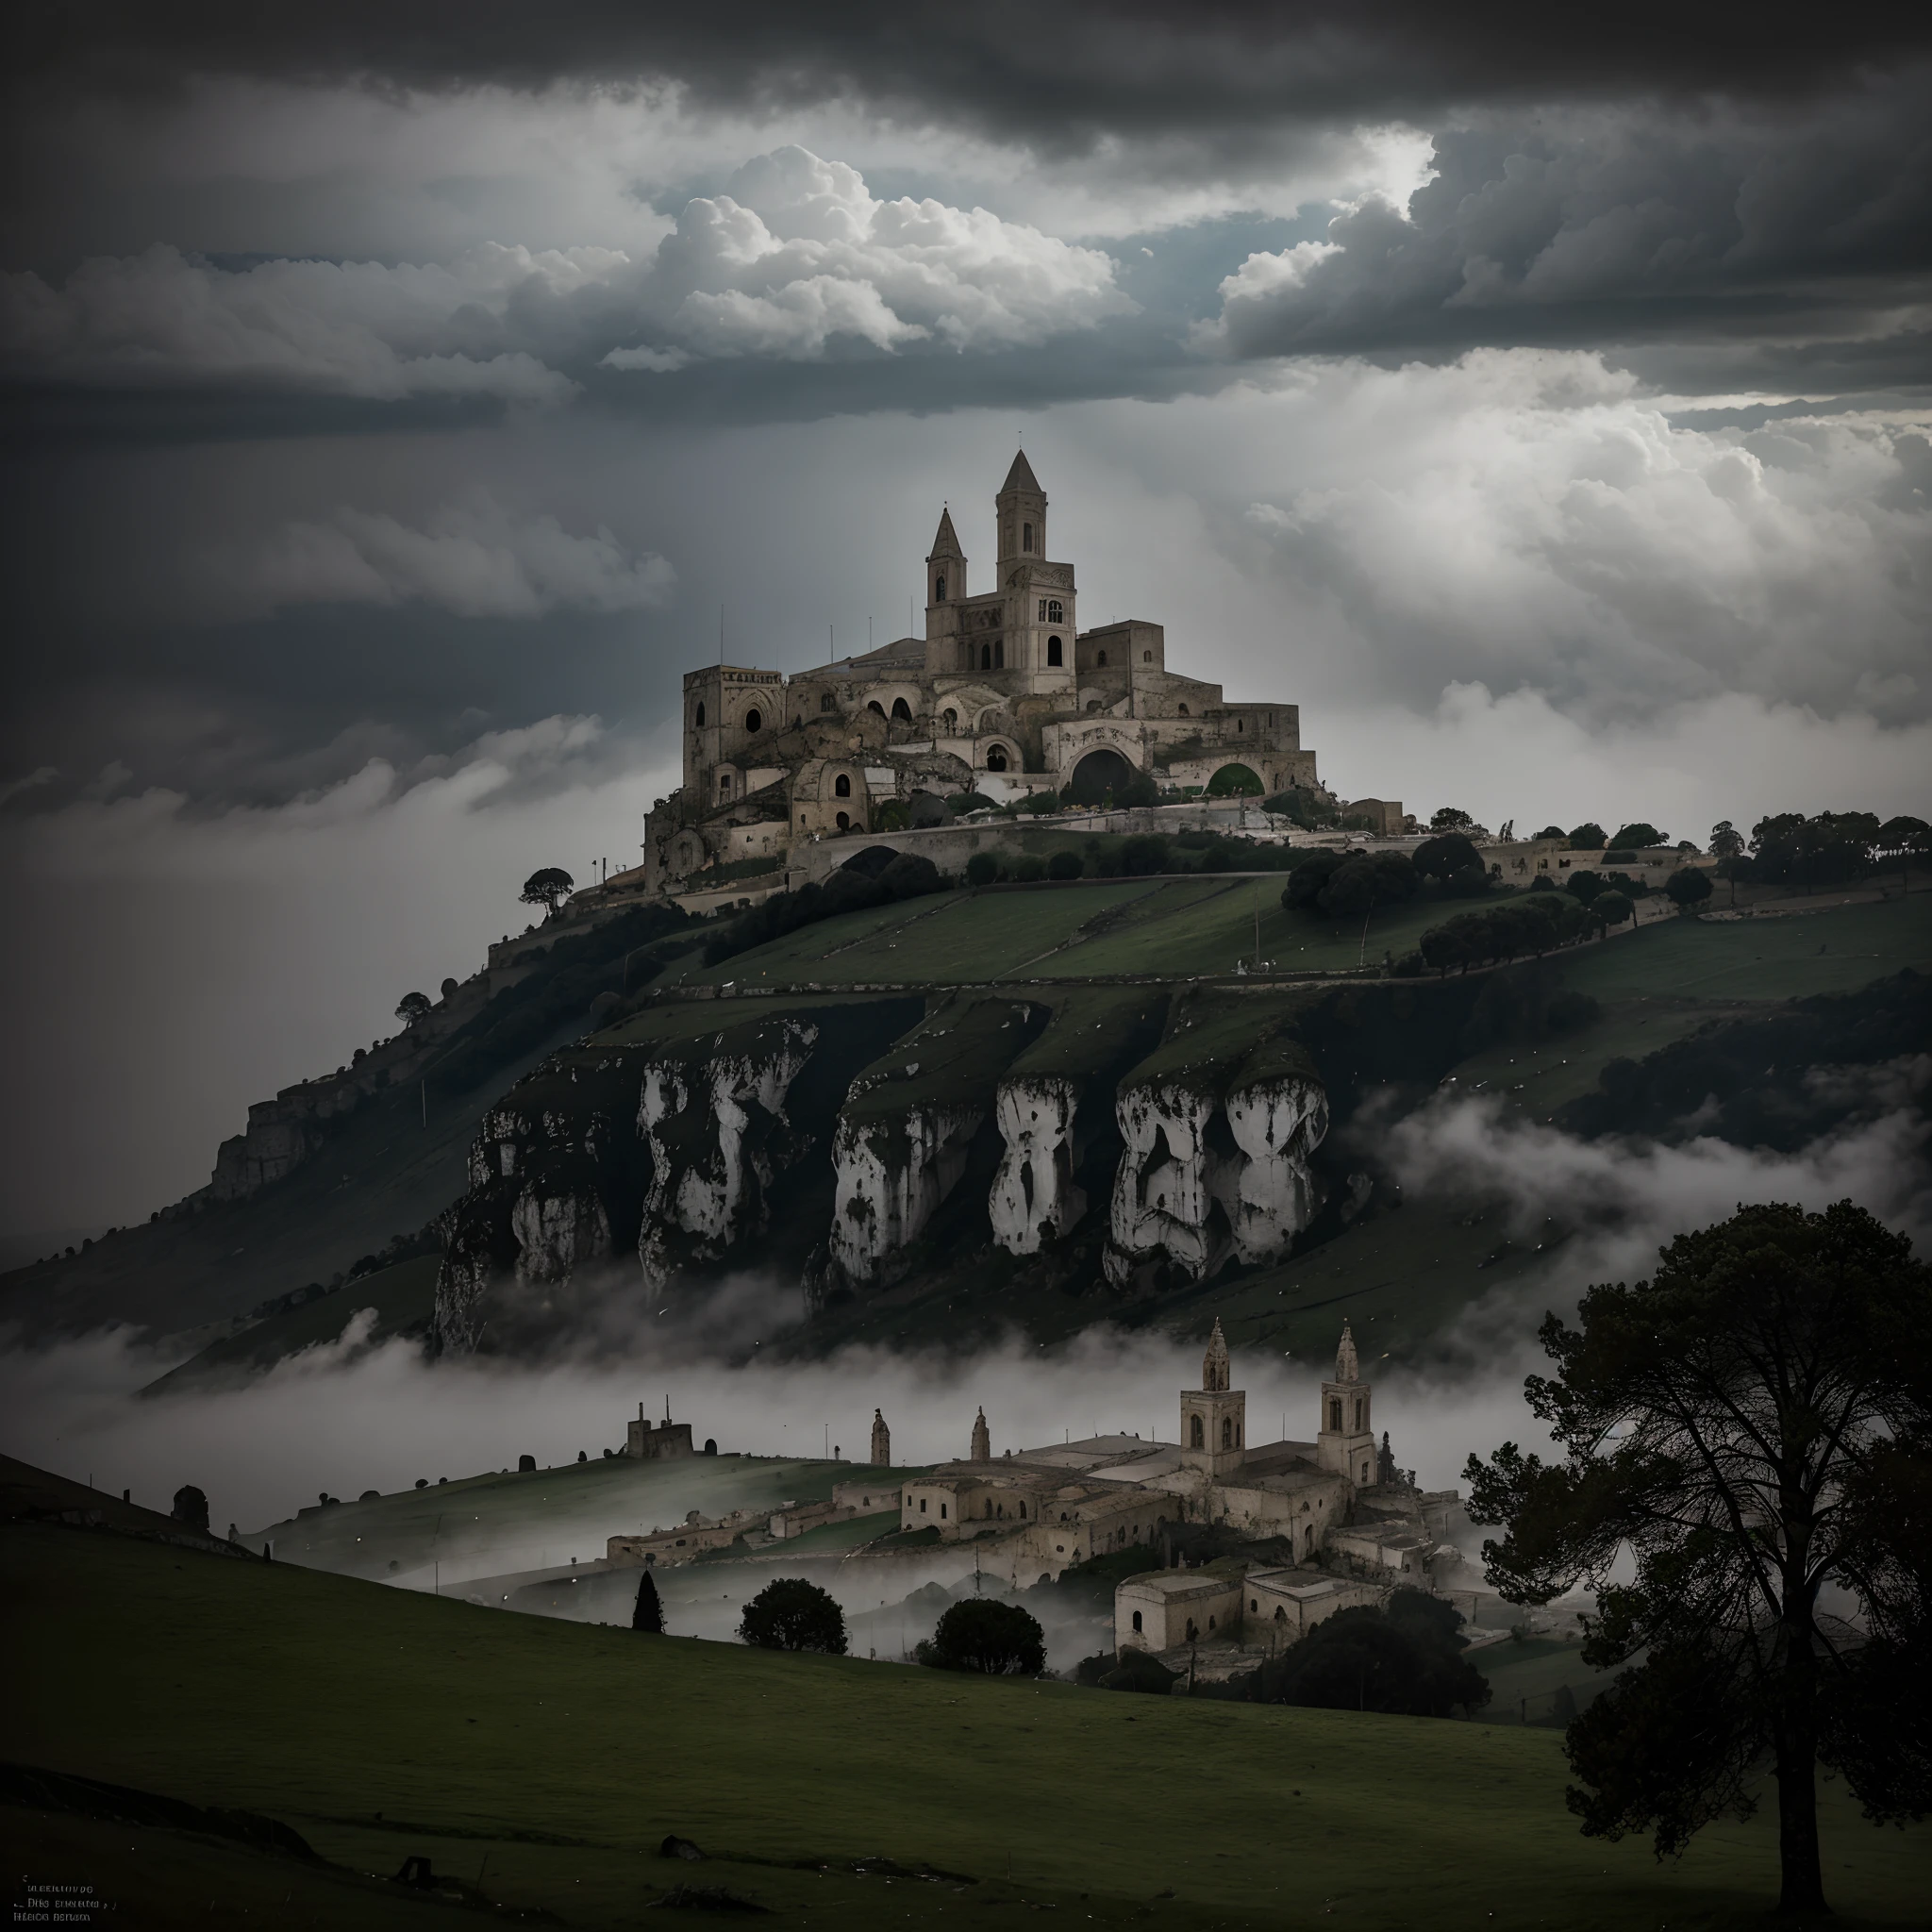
{"points": [[543, 1762]]}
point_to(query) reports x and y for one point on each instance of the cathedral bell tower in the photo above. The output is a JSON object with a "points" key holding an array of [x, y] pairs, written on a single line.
{"points": [[1215, 1417], [1020, 512], [1346, 1443], [946, 591], [881, 1442]]}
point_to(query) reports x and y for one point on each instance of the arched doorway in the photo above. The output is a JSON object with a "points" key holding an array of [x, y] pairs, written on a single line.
{"points": [[902, 710], [1234, 782], [995, 758], [1099, 773]]}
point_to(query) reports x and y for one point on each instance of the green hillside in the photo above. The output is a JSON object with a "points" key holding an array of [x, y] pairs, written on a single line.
{"points": [[544, 1761]]}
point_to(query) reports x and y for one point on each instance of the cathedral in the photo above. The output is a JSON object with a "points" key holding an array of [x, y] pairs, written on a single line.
{"points": [[1005, 696]]}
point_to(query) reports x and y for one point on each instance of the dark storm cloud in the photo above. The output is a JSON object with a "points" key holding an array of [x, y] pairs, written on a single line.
{"points": [[1057, 76], [1808, 229]]}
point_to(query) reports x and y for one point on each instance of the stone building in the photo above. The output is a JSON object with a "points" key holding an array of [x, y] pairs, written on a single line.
{"points": [[657, 1444], [1004, 694]]}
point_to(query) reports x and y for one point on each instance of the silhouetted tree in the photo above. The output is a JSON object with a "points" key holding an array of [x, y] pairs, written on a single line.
{"points": [[1752, 1424], [548, 888], [412, 1006], [1588, 837], [1636, 838], [982, 869], [1726, 842], [1065, 865], [1687, 887], [791, 1613], [1368, 1659], [190, 1506], [981, 1634], [451, 987], [648, 1615], [1611, 908]]}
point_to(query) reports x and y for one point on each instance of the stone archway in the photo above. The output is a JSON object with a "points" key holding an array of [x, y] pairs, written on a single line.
{"points": [[1234, 781], [1100, 772]]}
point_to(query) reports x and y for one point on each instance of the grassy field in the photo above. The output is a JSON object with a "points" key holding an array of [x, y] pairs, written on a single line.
{"points": [[544, 1761], [1832, 950]]}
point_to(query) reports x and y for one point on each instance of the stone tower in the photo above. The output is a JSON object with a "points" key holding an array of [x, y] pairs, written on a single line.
{"points": [[982, 1440], [1020, 510], [881, 1442], [1215, 1417], [945, 591], [1346, 1442]]}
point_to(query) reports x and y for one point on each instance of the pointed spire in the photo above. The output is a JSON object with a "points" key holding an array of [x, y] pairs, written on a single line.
{"points": [[1346, 1368], [1214, 1363], [947, 542], [982, 1440], [1021, 477], [881, 1440]]}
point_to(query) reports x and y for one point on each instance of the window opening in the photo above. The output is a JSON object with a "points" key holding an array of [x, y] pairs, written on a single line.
{"points": [[701, 718], [1100, 659], [754, 720], [900, 709], [939, 590], [1055, 613], [1053, 651], [1025, 536], [844, 822], [996, 757], [827, 701], [842, 786]]}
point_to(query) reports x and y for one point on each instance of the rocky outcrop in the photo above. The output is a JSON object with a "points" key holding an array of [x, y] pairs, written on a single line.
{"points": [[1035, 1197], [1277, 1116], [907, 1133], [892, 1177], [1218, 1134], [713, 1127]]}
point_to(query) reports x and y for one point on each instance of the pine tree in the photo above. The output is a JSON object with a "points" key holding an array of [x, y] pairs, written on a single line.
{"points": [[649, 1614]]}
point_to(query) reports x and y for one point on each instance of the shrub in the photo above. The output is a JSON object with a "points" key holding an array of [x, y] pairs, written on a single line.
{"points": [[1144, 853], [1139, 1670], [980, 1634], [982, 869], [1584, 885], [1611, 908], [1443, 858], [1039, 803], [1030, 870], [1065, 865], [1638, 835], [1689, 887], [1542, 883], [1408, 1660], [1588, 837], [791, 1613]]}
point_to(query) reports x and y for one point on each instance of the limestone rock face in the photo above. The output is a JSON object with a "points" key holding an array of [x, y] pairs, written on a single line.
{"points": [[892, 1178], [713, 1128], [1034, 1198], [1276, 1123], [1170, 1189]]}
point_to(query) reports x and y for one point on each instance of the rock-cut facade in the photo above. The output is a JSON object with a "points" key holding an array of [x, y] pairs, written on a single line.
{"points": [[1004, 694]]}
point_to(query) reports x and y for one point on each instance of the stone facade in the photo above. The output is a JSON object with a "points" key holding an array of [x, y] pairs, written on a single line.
{"points": [[1004, 694]]}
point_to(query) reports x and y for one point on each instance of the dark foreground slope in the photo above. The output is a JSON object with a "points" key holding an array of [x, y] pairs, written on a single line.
{"points": [[544, 1762]]}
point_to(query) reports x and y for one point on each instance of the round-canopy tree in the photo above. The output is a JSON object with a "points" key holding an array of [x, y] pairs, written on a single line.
{"points": [[1588, 837], [414, 1007], [548, 888], [980, 1634], [1687, 887], [1636, 838], [792, 1613], [1752, 1425]]}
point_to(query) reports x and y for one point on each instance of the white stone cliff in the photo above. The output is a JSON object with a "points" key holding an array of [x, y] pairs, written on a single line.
{"points": [[891, 1180], [709, 1167], [1169, 1183], [1034, 1198], [1277, 1123]]}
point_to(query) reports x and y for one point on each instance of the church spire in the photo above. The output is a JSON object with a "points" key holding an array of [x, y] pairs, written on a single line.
{"points": [[1020, 513], [982, 1440], [947, 542], [881, 1442], [1214, 1363], [1346, 1368], [1021, 477]]}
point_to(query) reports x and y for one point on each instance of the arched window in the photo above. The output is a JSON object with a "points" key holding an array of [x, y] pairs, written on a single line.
{"points": [[985, 657], [1146, 657], [1226, 1433], [1101, 658], [1022, 1509], [901, 710], [1055, 612], [700, 719], [1358, 1412], [995, 758], [1137, 1623], [1280, 1614], [877, 709], [1335, 1413], [1053, 651], [1198, 1436], [939, 590], [1184, 710], [842, 786], [1025, 536], [754, 720], [845, 826], [724, 784], [827, 701], [950, 720]]}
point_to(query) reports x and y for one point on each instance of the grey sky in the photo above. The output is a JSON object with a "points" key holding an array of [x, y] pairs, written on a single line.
{"points": [[393, 401]]}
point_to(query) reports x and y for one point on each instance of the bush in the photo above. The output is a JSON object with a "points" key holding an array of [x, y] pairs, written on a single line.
{"points": [[1443, 858], [1639, 836], [791, 1613], [1542, 883], [1687, 887], [1584, 885], [1030, 870], [1406, 1660], [1144, 853], [980, 1634], [1611, 908], [1065, 865], [1039, 803], [1588, 837], [1138, 1670], [982, 869]]}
